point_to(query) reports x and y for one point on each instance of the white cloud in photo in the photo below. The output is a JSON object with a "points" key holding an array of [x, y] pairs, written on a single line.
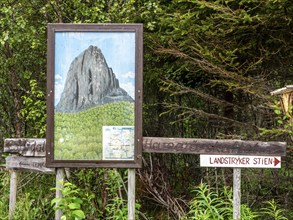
{"points": [[129, 88], [58, 90], [128, 75], [58, 77]]}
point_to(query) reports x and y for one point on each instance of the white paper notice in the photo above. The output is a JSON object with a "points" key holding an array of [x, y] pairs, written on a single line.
{"points": [[118, 142]]}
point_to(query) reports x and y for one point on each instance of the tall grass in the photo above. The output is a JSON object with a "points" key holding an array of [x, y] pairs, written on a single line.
{"points": [[209, 205], [4, 193]]}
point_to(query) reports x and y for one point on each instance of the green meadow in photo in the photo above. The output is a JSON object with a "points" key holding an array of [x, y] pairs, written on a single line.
{"points": [[78, 136]]}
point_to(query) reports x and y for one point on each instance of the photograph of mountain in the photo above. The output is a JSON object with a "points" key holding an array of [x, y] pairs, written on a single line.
{"points": [[94, 88], [90, 82]]}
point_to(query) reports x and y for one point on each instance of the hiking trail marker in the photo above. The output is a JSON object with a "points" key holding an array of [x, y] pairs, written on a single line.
{"points": [[237, 162], [240, 161]]}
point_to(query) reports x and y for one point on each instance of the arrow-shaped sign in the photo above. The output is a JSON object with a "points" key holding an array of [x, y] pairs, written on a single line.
{"points": [[241, 161], [276, 161]]}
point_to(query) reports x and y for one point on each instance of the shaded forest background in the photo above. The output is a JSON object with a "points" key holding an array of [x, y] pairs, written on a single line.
{"points": [[209, 68]]}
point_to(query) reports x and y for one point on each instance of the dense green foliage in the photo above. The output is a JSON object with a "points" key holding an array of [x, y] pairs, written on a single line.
{"points": [[69, 204], [208, 204], [209, 66], [33, 199], [4, 190], [79, 135]]}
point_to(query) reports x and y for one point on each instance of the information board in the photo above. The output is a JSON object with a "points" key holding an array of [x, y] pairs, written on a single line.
{"points": [[94, 100]]}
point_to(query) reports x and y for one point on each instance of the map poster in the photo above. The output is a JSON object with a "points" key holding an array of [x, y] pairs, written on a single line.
{"points": [[118, 142]]}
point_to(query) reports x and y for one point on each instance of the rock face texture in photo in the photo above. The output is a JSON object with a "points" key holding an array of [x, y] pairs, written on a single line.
{"points": [[90, 82]]}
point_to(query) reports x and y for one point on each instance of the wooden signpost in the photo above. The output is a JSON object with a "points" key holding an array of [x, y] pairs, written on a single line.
{"points": [[237, 162], [32, 154], [27, 155], [213, 152], [27, 147], [214, 147], [180, 145], [36, 164]]}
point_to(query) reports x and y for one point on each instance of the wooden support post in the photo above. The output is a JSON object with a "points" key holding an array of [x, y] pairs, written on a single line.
{"points": [[13, 192], [131, 194], [236, 193], [59, 178]]}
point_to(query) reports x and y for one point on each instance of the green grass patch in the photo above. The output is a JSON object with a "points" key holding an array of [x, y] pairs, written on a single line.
{"points": [[78, 136]]}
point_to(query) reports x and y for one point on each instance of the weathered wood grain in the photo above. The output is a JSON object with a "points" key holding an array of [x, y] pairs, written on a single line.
{"points": [[28, 147], [13, 193], [286, 89], [131, 194], [211, 146], [37, 164], [36, 147], [60, 176], [236, 194]]}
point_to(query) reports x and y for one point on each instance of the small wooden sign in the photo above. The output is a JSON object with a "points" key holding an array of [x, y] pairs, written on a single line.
{"points": [[240, 161], [210, 146], [26, 147], [37, 164]]}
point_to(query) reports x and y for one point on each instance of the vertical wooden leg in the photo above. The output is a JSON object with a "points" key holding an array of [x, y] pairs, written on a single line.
{"points": [[236, 193], [59, 177], [13, 192], [131, 194]]}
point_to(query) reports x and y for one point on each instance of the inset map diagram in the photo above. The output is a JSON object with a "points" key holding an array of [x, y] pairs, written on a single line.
{"points": [[118, 142]]}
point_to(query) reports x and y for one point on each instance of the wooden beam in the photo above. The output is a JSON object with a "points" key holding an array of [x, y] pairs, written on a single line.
{"points": [[175, 145], [283, 90], [131, 194], [60, 176], [37, 164], [236, 194], [13, 193], [26, 146], [210, 146], [286, 95]]}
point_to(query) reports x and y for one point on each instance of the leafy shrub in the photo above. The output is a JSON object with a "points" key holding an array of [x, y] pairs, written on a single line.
{"points": [[117, 209], [272, 211], [26, 208], [210, 205], [70, 203]]}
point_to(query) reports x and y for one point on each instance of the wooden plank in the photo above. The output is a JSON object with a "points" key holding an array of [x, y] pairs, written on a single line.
{"points": [[171, 145], [59, 186], [131, 194], [210, 146], [26, 146], [283, 90], [13, 192], [236, 194], [37, 164]]}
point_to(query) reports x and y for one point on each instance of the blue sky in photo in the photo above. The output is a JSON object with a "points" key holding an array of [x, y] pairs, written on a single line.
{"points": [[118, 49]]}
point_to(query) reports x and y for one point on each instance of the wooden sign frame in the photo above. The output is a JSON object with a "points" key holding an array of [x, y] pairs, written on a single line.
{"points": [[93, 121]]}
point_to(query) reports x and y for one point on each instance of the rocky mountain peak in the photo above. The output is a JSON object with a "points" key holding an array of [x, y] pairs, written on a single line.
{"points": [[90, 82]]}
